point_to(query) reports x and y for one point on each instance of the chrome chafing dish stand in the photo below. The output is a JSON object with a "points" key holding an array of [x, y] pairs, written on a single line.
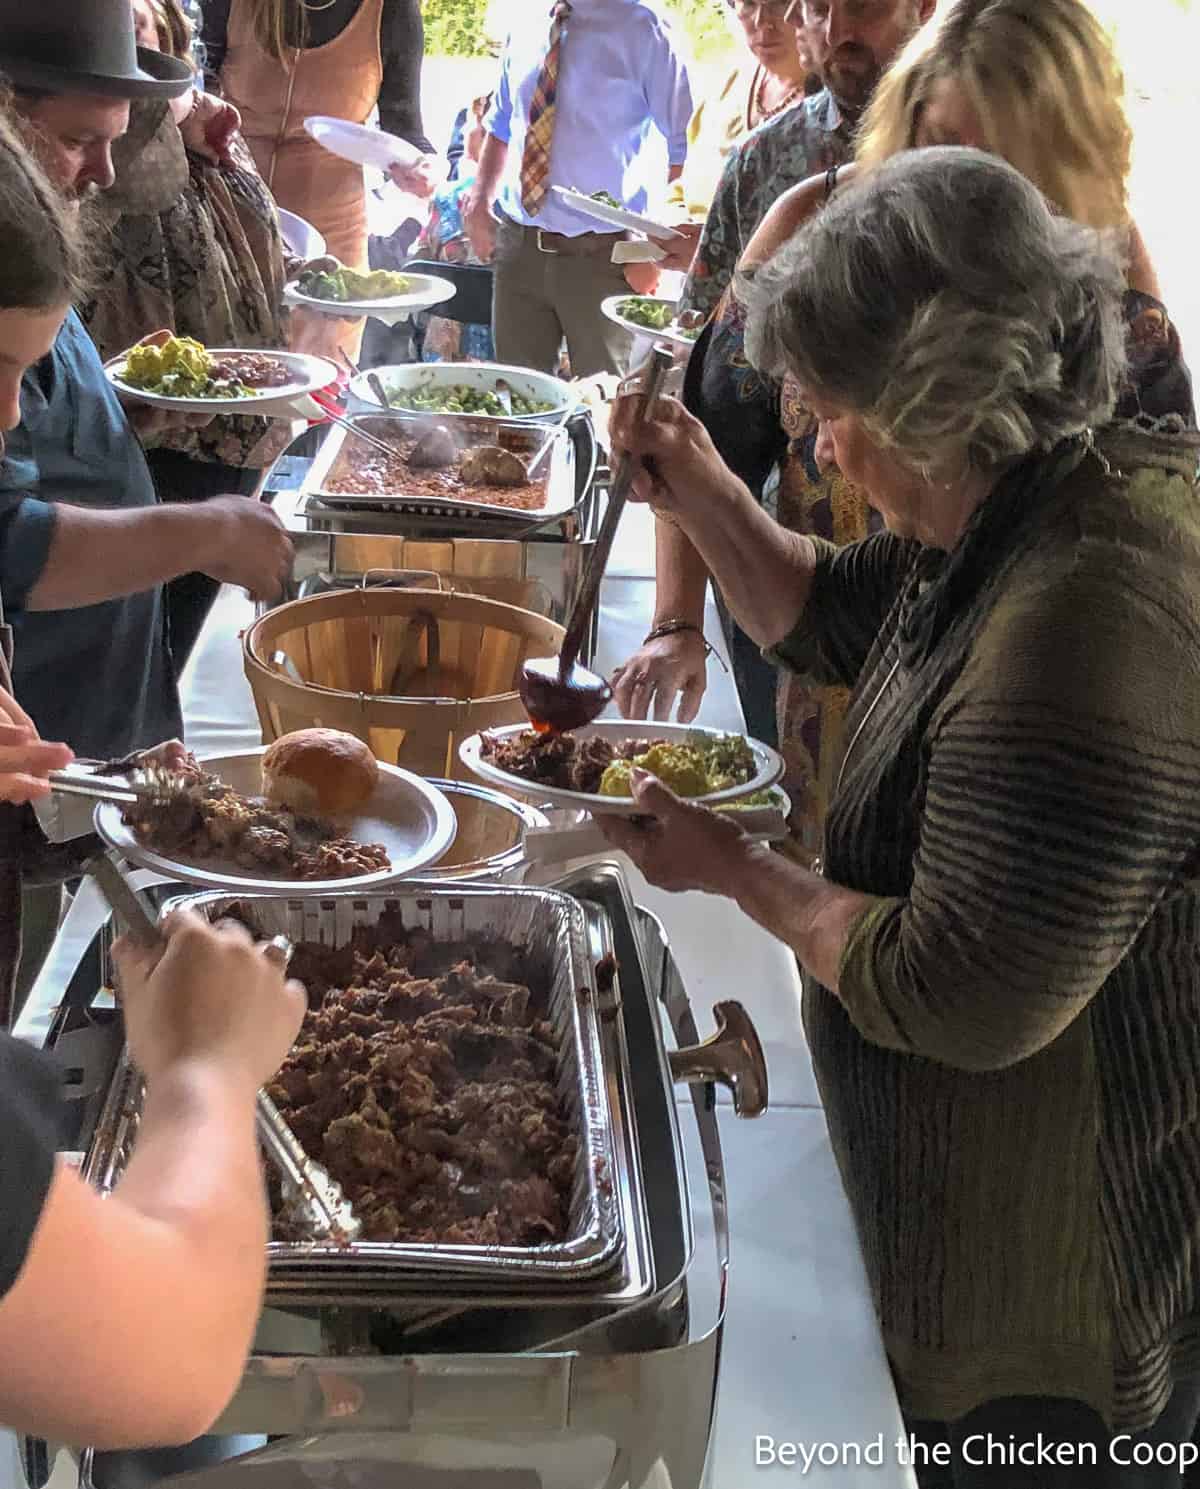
{"points": [[529, 1393], [341, 547]]}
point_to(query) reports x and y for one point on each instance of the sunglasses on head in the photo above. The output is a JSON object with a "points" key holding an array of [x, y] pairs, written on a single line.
{"points": [[777, 10]]}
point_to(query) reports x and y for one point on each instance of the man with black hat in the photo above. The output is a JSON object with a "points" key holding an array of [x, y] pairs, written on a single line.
{"points": [[85, 546]]}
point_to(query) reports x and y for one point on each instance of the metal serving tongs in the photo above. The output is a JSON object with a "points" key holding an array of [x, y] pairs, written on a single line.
{"points": [[153, 784], [309, 1192]]}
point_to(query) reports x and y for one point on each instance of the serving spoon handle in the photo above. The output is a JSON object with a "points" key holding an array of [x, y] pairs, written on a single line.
{"points": [[654, 371]]}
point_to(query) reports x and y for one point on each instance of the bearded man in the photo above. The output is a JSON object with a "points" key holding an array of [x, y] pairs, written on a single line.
{"points": [[852, 44]]}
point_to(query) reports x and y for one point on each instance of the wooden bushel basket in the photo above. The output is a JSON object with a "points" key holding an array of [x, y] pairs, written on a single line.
{"points": [[411, 672]]}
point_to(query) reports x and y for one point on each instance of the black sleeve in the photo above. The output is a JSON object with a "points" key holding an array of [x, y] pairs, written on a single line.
{"points": [[214, 26], [1159, 382], [457, 147], [29, 1097], [402, 49], [739, 408]]}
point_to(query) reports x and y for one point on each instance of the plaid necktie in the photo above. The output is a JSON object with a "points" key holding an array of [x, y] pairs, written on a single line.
{"points": [[535, 161]]}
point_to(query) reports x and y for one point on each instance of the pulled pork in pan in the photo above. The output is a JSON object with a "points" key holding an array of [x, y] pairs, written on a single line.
{"points": [[425, 1081]]}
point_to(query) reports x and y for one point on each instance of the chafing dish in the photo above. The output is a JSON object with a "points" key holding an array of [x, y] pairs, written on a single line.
{"points": [[536, 564], [611, 1396], [547, 443], [551, 928]]}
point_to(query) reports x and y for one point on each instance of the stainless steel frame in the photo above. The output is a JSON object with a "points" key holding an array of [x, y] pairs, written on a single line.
{"points": [[620, 1400]]}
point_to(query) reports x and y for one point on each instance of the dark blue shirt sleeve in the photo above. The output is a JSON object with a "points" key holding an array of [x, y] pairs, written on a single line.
{"points": [[26, 531], [29, 1095]]}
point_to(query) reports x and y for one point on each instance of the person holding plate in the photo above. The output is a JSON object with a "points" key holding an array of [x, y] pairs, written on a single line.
{"points": [[595, 98], [85, 546], [1001, 966], [189, 241], [280, 61]]}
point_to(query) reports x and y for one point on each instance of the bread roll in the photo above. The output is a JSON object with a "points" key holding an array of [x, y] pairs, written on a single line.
{"points": [[320, 771]]}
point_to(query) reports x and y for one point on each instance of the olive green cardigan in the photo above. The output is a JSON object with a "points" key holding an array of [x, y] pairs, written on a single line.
{"points": [[1011, 1069]]}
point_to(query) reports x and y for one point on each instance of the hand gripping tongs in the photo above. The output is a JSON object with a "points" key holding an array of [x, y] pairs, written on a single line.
{"points": [[310, 1194]]}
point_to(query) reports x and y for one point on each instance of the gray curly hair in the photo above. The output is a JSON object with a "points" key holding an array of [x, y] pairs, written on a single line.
{"points": [[941, 300]]}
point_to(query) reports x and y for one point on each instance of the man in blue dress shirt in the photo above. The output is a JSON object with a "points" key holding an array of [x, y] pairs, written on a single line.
{"points": [[621, 113]]}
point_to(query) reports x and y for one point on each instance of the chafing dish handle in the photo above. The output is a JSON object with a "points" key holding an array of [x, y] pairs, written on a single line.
{"points": [[733, 1057]]}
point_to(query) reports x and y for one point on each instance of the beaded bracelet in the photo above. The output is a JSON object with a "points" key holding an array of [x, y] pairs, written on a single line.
{"points": [[675, 627]]}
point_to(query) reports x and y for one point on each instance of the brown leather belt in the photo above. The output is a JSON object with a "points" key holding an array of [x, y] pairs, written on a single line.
{"points": [[582, 245]]}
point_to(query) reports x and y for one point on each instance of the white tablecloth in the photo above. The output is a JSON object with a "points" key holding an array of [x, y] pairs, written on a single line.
{"points": [[803, 1362]]}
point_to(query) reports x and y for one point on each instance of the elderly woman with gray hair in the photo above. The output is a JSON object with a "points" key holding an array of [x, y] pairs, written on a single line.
{"points": [[1002, 954]]}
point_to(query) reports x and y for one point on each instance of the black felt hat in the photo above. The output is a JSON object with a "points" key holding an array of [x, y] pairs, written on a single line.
{"points": [[84, 46]]}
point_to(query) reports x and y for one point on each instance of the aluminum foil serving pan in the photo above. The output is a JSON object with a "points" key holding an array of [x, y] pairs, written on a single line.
{"points": [[350, 473], [550, 930]]}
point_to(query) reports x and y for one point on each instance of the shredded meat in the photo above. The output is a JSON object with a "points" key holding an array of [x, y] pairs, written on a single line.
{"points": [[559, 760], [425, 1081], [253, 369], [211, 820]]}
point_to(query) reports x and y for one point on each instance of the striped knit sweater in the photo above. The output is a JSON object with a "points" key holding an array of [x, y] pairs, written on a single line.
{"points": [[1011, 1070]]}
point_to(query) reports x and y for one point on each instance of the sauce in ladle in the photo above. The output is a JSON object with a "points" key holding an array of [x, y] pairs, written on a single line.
{"points": [[557, 704], [559, 695]]}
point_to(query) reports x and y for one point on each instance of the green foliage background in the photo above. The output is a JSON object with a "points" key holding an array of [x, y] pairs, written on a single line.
{"points": [[458, 28]]}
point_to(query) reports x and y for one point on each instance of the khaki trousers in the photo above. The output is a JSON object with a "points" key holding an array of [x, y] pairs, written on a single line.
{"points": [[541, 297]]}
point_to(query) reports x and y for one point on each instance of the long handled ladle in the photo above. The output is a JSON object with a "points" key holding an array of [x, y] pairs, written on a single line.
{"points": [[557, 692]]}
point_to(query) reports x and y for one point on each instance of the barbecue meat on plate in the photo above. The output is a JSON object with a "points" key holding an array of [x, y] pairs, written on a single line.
{"points": [[425, 1081], [207, 819], [599, 766], [559, 760]]}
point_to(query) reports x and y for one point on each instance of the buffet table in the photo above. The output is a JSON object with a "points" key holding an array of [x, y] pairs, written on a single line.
{"points": [[803, 1366]]}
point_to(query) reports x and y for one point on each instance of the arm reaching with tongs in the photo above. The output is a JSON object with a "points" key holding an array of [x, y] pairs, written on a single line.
{"points": [[127, 1320]]}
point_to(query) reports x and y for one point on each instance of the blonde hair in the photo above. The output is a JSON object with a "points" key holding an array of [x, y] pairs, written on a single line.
{"points": [[1045, 84], [945, 302]]}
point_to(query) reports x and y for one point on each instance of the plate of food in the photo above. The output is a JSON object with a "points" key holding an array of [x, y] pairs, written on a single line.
{"points": [[330, 288], [588, 769], [660, 320], [313, 812], [437, 467], [474, 390], [605, 208], [178, 373]]}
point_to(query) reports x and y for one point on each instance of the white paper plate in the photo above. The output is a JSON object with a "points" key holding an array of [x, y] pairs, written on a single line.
{"points": [[470, 752], [361, 144], [311, 374], [409, 817], [673, 337], [617, 216], [300, 236], [425, 290]]}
